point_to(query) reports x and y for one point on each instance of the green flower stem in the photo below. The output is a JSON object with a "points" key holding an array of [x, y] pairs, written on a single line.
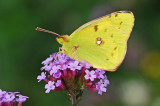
{"points": [[74, 99]]}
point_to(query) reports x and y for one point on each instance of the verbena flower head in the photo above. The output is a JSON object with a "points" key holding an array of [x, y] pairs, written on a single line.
{"points": [[11, 98], [64, 73]]}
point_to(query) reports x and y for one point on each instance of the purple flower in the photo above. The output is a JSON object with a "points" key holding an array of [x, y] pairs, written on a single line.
{"points": [[85, 64], [73, 73], [21, 98], [47, 67], [53, 55], [105, 81], [49, 86], [54, 69], [57, 74], [64, 67], [8, 97], [47, 61], [42, 76], [99, 73], [2, 92], [101, 88], [74, 65], [58, 83], [90, 75], [13, 93], [60, 56], [61, 59]]}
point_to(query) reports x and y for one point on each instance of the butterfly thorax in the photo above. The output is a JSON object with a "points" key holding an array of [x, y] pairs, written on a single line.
{"points": [[67, 45]]}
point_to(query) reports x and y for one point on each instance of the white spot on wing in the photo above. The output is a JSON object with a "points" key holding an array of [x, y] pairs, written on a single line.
{"points": [[99, 42]]}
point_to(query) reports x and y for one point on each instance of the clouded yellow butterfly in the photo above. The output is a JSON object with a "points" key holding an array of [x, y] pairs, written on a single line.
{"points": [[101, 42]]}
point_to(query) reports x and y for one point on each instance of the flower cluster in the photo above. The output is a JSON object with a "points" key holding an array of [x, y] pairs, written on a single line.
{"points": [[11, 98], [63, 73]]}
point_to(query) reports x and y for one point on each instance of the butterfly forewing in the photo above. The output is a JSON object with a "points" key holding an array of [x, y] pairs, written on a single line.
{"points": [[123, 20]]}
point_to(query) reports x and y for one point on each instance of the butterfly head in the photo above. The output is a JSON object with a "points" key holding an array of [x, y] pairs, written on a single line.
{"points": [[61, 39]]}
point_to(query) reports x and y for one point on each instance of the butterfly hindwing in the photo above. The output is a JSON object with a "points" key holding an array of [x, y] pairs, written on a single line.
{"points": [[101, 45], [101, 42]]}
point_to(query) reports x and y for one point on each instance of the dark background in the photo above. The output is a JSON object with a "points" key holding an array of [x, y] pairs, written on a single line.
{"points": [[22, 49]]}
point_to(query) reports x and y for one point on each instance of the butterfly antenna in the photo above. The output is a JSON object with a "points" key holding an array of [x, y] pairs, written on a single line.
{"points": [[44, 30]]}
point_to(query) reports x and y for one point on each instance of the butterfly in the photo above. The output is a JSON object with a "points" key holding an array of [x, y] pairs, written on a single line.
{"points": [[101, 42]]}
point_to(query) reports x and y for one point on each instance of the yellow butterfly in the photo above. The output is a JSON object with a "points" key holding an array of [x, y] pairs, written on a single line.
{"points": [[101, 42]]}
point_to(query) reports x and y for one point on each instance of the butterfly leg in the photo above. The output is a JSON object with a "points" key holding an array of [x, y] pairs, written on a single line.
{"points": [[57, 54], [62, 52], [74, 51]]}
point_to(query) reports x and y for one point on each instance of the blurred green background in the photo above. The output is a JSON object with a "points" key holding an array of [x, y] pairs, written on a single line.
{"points": [[22, 49]]}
